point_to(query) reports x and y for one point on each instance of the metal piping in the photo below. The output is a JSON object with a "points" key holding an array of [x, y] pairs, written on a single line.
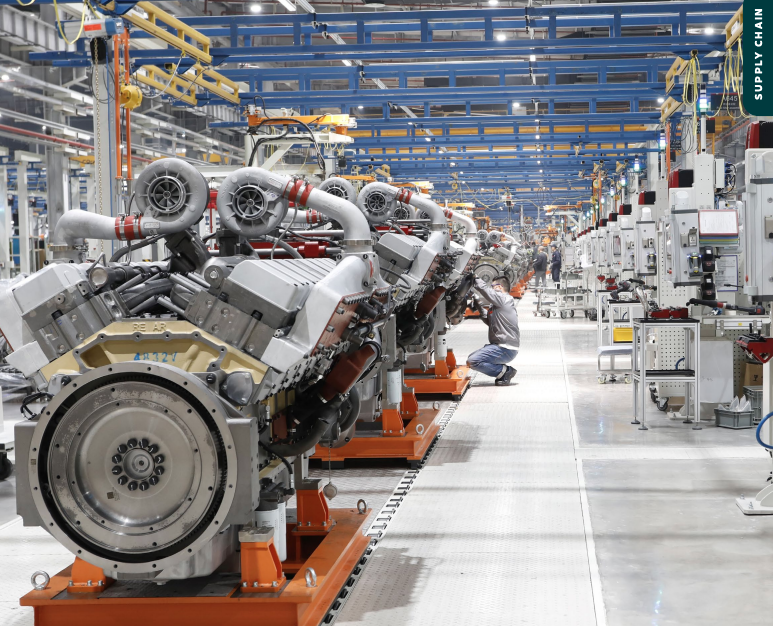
{"points": [[353, 222]]}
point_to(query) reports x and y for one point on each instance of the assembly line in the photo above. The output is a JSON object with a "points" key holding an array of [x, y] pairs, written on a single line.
{"points": [[384, 313]]}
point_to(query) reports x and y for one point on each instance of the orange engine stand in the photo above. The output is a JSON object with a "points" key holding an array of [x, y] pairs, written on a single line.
{"points": [[445, 377], [331, 553], [406, 433]]}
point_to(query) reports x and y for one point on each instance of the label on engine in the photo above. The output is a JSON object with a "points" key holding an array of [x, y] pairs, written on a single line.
{"points": [[276, 183], [158, 357]]}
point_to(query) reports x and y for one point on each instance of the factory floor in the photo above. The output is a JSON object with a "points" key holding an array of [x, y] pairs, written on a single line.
{"points": [[541, 504]]}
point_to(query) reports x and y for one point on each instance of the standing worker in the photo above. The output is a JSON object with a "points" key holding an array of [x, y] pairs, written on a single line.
{"points": [[540, 266], [555, 264], [504, 336]]}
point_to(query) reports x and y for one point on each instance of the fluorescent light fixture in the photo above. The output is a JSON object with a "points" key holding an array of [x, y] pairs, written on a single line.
{"points": [[501, 36], [256, 8], [287, 5], [346, 62], [532, 57], [537, 136], [359, 106], [662, 141], [709, 31], [493, 3], [5, 77], [428, 139], [516, 104], [612, 192], [661, 100], [453, 164]]}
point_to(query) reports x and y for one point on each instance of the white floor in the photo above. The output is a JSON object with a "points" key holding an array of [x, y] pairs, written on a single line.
{"points": [[495, 523]]}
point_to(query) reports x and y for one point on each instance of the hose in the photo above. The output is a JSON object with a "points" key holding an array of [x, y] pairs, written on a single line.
{"points": [[132, 247], [157, 288], [759, 428], [354, 402], [327, 416], [284, 245], [271, 450]]}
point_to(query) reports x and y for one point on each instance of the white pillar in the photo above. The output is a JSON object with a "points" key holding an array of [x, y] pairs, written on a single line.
{"points": [[24, 218], [106, 192], [6, 226]]}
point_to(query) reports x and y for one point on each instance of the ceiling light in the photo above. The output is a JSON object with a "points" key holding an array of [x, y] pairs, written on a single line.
{"points": [[453, 164], [501, 37], [516, 104], [709, 31], [44, 127], [427, 139], [346, 62], [537, 136], [287, 5], [661, 100], [493, 3], [359, 106], [256, 8], [5, 77], [540, 171], [532, 57]]}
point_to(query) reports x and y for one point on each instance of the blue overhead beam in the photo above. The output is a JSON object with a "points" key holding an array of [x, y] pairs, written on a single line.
{"points": [[613, 92], [428, 21], [679, 44]]}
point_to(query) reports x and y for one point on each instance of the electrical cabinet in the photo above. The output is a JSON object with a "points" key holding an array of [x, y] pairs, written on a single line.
{"points": [[758, 224]]}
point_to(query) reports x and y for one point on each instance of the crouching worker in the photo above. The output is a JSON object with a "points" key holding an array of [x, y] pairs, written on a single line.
{"points": [[503, 334]]}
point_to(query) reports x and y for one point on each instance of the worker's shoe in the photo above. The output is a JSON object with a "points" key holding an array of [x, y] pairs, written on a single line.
{"points": [[505, 378]]}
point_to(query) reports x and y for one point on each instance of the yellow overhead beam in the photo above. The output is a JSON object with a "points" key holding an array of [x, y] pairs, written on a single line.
{"points": [[668, 108], [677, 69], [734, 28], [218, 87], [183, 30], [175, 86]]}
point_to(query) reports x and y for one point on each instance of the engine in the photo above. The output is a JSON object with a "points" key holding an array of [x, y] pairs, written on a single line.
{"points": [[182, 396], [180, 392]]}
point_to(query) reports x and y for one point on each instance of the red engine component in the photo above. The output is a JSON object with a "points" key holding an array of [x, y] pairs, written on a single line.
{"points": [[756, 346], [675, 313]]}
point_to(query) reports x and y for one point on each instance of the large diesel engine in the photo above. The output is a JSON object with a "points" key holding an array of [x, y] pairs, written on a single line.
{"points": [[180, 396]]}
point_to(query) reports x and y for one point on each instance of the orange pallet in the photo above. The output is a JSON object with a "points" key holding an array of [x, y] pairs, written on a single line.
{"points": [[406, 433], [332, 554], [445, 377]]}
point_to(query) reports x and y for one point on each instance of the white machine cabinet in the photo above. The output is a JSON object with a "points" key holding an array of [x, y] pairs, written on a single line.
{"points": [[645, 242]]}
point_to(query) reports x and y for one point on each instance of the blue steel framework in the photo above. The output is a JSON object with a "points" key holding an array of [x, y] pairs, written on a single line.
{"points": [[494, 151]]}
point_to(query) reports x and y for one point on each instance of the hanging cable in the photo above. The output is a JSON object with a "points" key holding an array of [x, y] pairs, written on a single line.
{"points": [[59, 21]]}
